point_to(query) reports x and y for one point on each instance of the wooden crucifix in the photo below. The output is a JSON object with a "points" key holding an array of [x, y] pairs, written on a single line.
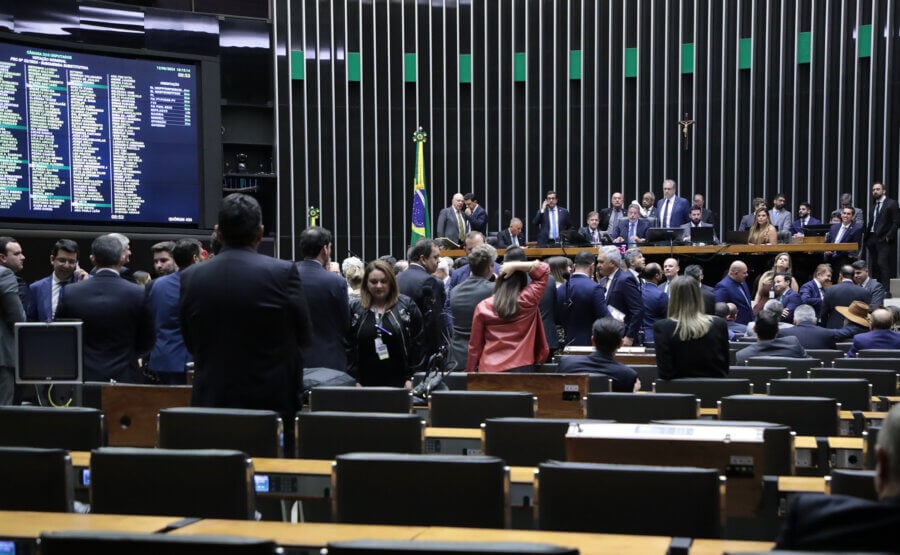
{"points": [[686, 124]]}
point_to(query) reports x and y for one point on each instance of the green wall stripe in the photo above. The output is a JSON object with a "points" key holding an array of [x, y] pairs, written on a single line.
{"points": [[687, 58], [298, 65], [519, 67], [354, 68], [631, 62], [804, 47], [575, 64], [864, 41], [465, 68], [409, 68], [745, 53]]}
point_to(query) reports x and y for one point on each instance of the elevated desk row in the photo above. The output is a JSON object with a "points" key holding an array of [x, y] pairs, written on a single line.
{"points": [[689, 250], [310, 537]]}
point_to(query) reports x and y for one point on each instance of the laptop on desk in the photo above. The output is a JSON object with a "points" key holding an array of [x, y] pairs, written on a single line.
{"points": [[665, 235], [737, 237], [703, 235]]}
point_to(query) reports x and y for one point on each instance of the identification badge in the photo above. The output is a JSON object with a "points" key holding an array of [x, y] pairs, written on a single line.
{"points": [[381, 349]]}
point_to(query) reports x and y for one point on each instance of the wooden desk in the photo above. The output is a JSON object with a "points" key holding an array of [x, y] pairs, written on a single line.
{"points": [[30, 525], [587, 544], [303, 534], [801, 484], [453, 441], [534, 252], [559, 395], [702, 546]]}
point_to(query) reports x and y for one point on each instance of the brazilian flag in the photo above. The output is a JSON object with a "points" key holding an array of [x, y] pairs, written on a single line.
{"points": [[421, 221]]}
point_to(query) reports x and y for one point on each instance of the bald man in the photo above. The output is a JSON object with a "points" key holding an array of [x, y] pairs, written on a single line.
{"points": [[452, 222], [733, 289]]}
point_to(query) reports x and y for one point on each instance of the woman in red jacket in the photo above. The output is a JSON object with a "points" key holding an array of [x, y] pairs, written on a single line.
{"points": [[507, 332]]}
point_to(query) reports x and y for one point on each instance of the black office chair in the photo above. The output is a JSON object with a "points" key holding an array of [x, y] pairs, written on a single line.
{"points": [[415, 547], [844, 345], [468, 409], [325, 434], [870, 363], [629, 499], [759, 376], [809, 416], [708, 390], [115, 543], [827, 356], [647, 373], [259, 433], [858, 483], [797, 366], [880, 353], [36, 480], [526, 441], [631, 407], [71, 428], [884, 382], [455, 381], [411, 490], [852, 394], [201, 483], [360, 399]]}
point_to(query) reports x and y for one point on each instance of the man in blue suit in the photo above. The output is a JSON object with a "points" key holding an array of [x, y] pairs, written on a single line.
{"points": [[551, 220], [818, 522], [781, 284], [169, 356], [847, 231], [326, 296], [45, 293], [580, 301], [633, 229], [623, 293], [804, 218], [881, 336], [733, 289], [656, 301], [672, 210], [606, 337], [475, 214], [813, 291]]}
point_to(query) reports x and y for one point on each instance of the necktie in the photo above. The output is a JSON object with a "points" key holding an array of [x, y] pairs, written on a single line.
{"points": [[595, 237], [875, 219], [554, 229], [608, 285], [665, 220], [515, 240], [57, 295], [840, 235], [462, 226], [631, 231]]}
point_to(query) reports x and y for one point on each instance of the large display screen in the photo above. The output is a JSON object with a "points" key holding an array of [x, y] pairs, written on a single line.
{"points": [[98, 138]]}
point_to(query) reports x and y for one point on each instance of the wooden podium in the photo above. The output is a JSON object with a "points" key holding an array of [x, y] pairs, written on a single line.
{"points": [[559, 395]]}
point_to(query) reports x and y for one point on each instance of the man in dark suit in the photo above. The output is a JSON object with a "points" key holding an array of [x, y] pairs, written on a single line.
{"points": [[813, 291], [11, 311], [466, 297], [790, 299], [118, 326], [631, 230], [511, 236], [580, 301], [418, 283], [733, 289], [672, 210], [45, 292], [623, 293], [818, 522], [842, 294], [708, 293], [452, 222], [551, 220], [12, 257], [881, 235], [768, 344], [845, 232], [656, 301], [326, 297], [592, 233], [244, 318], [804, 218], [610, 216], [475, 214], [707, 216], [809, 334], [881, 336], [606, 337], [861, 277]]}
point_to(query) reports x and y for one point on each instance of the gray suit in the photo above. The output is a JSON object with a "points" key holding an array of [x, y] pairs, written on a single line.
{"points": [[448, 225], [465, 298], [11, 311], [877, 290]]}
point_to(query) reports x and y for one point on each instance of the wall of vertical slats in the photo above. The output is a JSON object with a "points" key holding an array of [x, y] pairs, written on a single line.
{"points": [[785, 95]]}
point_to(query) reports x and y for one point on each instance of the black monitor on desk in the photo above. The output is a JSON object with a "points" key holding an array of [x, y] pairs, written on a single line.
{"points": [[816, 230], [704, 235], [571, 237], [665, 235], [48, 352]]}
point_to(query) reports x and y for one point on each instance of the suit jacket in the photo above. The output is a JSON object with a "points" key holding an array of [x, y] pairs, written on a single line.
{"points": [[679, 212], [587, 234], [118, 325], [874, 287], [477, 219], [706, 357], [11, 311], [729, 291], [875, 339], [787, 346], [790, 300], [579, 302], [853, 234], [622, 376], [41, 307], [244, 318], [625, 295], [707, 216], [841, 294], [818, 522], [547, 308], [329, 305], [542, 219], [886, 224], [448, 225], [656, 306], [809, 294], [709, 299], [466, 297], [606, 217], [428, 293], [747, 222], [781, 219], [797, 225], [641, 227], [812, 336], [169, 353], [504, 239]]}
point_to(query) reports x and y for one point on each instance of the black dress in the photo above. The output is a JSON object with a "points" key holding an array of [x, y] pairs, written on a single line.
{"points": [[706, 357]]}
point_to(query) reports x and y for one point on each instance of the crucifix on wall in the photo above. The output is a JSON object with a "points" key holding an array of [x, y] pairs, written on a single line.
{"points": [[686, 124]]}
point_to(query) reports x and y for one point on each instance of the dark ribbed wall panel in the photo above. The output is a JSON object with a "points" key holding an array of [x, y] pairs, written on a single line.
{"points": [[810, 129]]}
